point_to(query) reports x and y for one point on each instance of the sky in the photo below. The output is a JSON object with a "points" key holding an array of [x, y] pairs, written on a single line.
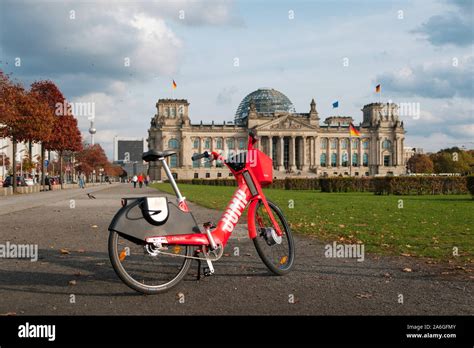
{"points": [[123, 55]]}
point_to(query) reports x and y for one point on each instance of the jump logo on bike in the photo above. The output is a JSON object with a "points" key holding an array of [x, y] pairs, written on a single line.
{"points": [[234, 211]]}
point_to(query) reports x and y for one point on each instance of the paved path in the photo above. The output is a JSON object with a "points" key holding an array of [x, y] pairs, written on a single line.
{"points": [[241, 285]]}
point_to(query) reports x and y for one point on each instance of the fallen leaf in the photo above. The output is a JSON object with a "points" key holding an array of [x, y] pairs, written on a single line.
{"points": [[94, 226], [100, 263], [64, 251], [8, 314], [405, 254], [406, 269], [72, 282], [342, 226], [364, 295]]}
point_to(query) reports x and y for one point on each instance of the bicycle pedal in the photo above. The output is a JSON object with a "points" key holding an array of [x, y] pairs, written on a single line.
{"points": [[207, 272]]}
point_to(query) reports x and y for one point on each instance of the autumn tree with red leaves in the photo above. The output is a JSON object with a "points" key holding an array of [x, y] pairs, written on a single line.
{"points": [[65, 132], [91, 158], [24, 116]]}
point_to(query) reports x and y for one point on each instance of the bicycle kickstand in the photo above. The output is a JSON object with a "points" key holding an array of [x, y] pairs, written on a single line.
{"points": [[196, 254]]}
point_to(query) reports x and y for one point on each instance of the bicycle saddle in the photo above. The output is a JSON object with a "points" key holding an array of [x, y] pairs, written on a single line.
{"points": [[154, 155]]}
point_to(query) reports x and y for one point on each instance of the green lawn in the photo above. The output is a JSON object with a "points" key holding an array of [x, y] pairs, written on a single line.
{"points": [[428, 226]]}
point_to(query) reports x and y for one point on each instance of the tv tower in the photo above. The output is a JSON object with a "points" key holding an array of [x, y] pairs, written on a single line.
{"points": [[92, 131]]}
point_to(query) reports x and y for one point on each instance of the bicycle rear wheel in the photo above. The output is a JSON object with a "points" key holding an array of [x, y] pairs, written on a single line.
{"points": [[277, 253], [144, 272]]}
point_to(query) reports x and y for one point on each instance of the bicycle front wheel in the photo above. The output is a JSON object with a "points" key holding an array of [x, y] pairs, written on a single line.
{"points": [[276, 252], [144, 272]]}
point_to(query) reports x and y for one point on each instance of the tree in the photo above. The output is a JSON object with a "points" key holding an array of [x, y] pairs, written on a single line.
{"points": [[420, 163], [452, 160], [113, 170], [66, 135], [91, 158], [23, 116]]}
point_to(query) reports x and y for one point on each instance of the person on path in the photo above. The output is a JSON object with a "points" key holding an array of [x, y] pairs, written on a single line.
{"points": [[134, 181]]}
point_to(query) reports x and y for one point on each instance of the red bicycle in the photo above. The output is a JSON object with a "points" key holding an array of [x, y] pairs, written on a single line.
{"points": [[153, 241]]}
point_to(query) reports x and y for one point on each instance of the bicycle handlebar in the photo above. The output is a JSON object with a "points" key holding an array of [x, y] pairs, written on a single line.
{"points": [[198, 156]]}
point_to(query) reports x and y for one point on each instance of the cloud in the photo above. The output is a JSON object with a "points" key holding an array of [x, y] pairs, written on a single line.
{"points": [[464, 130], [431, 80], [98, 42], [198, 13], [91, 45], [451, 27], [435, 141], [225, 95]]}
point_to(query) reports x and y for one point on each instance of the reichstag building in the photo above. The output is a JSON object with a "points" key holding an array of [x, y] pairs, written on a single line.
{"points": [[299, 144]]}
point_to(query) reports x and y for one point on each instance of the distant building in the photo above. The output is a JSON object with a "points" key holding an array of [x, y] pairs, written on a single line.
{"points": [[128, 154], [24, 150], [409, 152], [297, 142]]}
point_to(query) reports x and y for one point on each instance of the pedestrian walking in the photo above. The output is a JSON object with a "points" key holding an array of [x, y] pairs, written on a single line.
{"points": [[140, 180], [147, 180], [134, 181], [81, 180]]}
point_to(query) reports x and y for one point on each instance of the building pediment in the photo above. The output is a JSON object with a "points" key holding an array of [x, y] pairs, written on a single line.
{"points": [[285, 122]]}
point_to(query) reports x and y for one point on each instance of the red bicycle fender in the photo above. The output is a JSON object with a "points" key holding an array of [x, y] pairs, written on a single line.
{"points": [[251, 219]]}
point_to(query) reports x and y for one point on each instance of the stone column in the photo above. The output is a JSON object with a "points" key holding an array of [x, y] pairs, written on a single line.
{"points": [[349, 156], [183, 162], [359, 153], [305, 164], [270, 147], [213, 163], [378, 154], [338, 161], [315, 149], [281, 164], [402, 151], [328, 153], [293, 153], [395, 152]]}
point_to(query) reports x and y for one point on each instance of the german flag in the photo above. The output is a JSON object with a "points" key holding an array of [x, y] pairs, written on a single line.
{"points": [[353, 131], [377, 88], [174, 85]]}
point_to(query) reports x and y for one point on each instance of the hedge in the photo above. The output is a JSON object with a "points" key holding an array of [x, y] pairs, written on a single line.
{"points": [[397, 185], [420, 185], [341, 184], [470, 184]]}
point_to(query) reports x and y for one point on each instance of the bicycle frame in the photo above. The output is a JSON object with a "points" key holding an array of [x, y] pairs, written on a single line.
{"points": [[243, 196]]}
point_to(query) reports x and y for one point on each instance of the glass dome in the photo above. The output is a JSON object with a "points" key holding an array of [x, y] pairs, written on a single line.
{"points": [[267, 100]]}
